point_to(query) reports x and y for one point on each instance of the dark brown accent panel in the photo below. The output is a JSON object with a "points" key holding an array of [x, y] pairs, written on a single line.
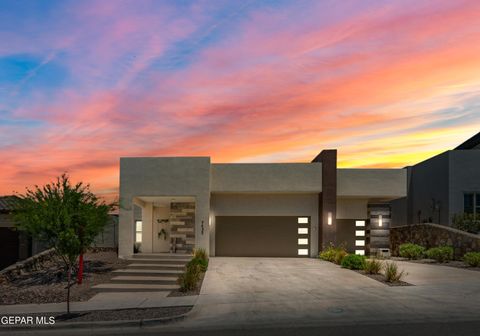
{"points": [[346, 233], [327, 198], [258, 236]]}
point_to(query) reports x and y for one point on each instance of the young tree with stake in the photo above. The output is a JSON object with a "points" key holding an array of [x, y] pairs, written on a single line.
{"points": [[65, 216]]}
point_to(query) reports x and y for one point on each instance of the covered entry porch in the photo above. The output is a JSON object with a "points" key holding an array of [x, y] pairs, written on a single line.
{"points": [[164, 224]]}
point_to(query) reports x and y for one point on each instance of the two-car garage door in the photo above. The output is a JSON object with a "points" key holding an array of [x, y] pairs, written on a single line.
{"points": [[262, 236]]}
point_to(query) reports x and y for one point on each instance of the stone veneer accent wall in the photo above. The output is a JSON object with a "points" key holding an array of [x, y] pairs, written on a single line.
{"points": [[182, 224], [433, 235]]}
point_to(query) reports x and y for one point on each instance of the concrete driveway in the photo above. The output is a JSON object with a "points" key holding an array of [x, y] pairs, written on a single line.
{"points": [[276, 291]]}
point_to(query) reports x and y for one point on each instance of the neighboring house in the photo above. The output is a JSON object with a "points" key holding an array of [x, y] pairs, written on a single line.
{"points": [[14, 245], [173, 204], [442, 186]]}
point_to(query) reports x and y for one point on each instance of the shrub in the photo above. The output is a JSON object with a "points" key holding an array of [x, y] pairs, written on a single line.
{"points": [[472, 259], [189, 279], [353, 262], [391, 272], [202, 263], [200, 253], [373, 266], [339, 255], [411, 251], [467, 222], [440, 254], [200, 258], [333, 254]]}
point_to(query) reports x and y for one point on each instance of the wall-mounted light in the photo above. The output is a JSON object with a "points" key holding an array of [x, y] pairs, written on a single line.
{"points": [[329, 218], [380, 220]]}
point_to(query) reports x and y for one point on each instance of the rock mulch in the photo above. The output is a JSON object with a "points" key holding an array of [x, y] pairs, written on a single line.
{"points": [[451, 263], [48, 283], [381, 278]]}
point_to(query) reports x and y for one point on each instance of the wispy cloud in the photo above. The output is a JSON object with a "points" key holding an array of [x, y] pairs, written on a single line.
{"points": [[387, 83]]}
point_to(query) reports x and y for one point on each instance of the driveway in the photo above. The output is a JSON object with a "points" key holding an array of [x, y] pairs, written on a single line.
{"points": [[276, 291]]}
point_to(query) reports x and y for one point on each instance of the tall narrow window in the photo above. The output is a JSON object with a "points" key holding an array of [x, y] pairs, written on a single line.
{"points": [[138, 231], [468, 203]]}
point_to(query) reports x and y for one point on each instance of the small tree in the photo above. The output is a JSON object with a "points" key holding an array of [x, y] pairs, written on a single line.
{"points": [[66, 217]]}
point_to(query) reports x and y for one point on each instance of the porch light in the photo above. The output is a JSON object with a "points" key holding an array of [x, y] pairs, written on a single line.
{"points": [[380, 220], [329, 218]]}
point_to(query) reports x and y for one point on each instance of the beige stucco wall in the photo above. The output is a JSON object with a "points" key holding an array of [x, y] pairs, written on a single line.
{"points": [[352, 208], [166, 176], [379, 183], [266, 177], [265, 205]]}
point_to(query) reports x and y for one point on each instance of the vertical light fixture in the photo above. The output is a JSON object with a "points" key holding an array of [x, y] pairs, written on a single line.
{"points": [[329, 218], [380, 220]]}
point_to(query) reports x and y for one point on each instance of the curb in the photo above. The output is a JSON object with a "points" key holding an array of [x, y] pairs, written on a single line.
{"points": [[100, 324]]}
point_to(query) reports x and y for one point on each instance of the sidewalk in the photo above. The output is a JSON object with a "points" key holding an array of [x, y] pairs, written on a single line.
{"points": [[105, 301]]}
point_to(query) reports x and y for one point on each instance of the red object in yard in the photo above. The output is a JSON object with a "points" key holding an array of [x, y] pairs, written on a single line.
{"points": [[80, 270]]}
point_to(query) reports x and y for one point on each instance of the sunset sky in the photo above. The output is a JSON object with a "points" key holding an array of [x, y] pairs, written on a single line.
{"points": [[82, 83]]}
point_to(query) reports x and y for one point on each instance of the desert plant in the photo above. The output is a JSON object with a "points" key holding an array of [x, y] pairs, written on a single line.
{"points": [[200, 253], [188, 280], [472, 259], [340, 253], [65, 217], [440, 254], [333, 254], [373, 266], [202, 263], [353, 262], [467, 222], [411, 251], [391, 272]]}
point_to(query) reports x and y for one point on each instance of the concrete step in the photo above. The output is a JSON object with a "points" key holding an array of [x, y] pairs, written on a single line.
{"points": [[148, 272], [158, 261], [160, 280], [156, 266], [161, 256], [133, 287]]}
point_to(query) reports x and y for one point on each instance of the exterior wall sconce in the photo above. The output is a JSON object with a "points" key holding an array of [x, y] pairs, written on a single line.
{"points": [[380, 220], [329, 218]]}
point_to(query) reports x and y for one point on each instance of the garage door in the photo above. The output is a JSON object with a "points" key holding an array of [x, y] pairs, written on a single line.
{"points": [[262, 236]]}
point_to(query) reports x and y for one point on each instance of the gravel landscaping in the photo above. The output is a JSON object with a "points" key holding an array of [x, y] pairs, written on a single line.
{"points": [[451, 263], [47, 284], [381, 278]]}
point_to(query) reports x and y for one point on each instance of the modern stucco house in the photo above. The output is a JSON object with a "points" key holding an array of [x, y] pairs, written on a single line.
{"points": [[267, 209], [441, 186]]}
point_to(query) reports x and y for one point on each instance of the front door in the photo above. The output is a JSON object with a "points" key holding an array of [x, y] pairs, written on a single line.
{"points": [[161, 229]]}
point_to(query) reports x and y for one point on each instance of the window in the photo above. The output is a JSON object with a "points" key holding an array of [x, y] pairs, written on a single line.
{"points": [[138, 231], [360, 223], [468, 203], [302, 230], [303, 252], [302, 220], [360, 233], [302, 241], [471, 203], [360, 252]]}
